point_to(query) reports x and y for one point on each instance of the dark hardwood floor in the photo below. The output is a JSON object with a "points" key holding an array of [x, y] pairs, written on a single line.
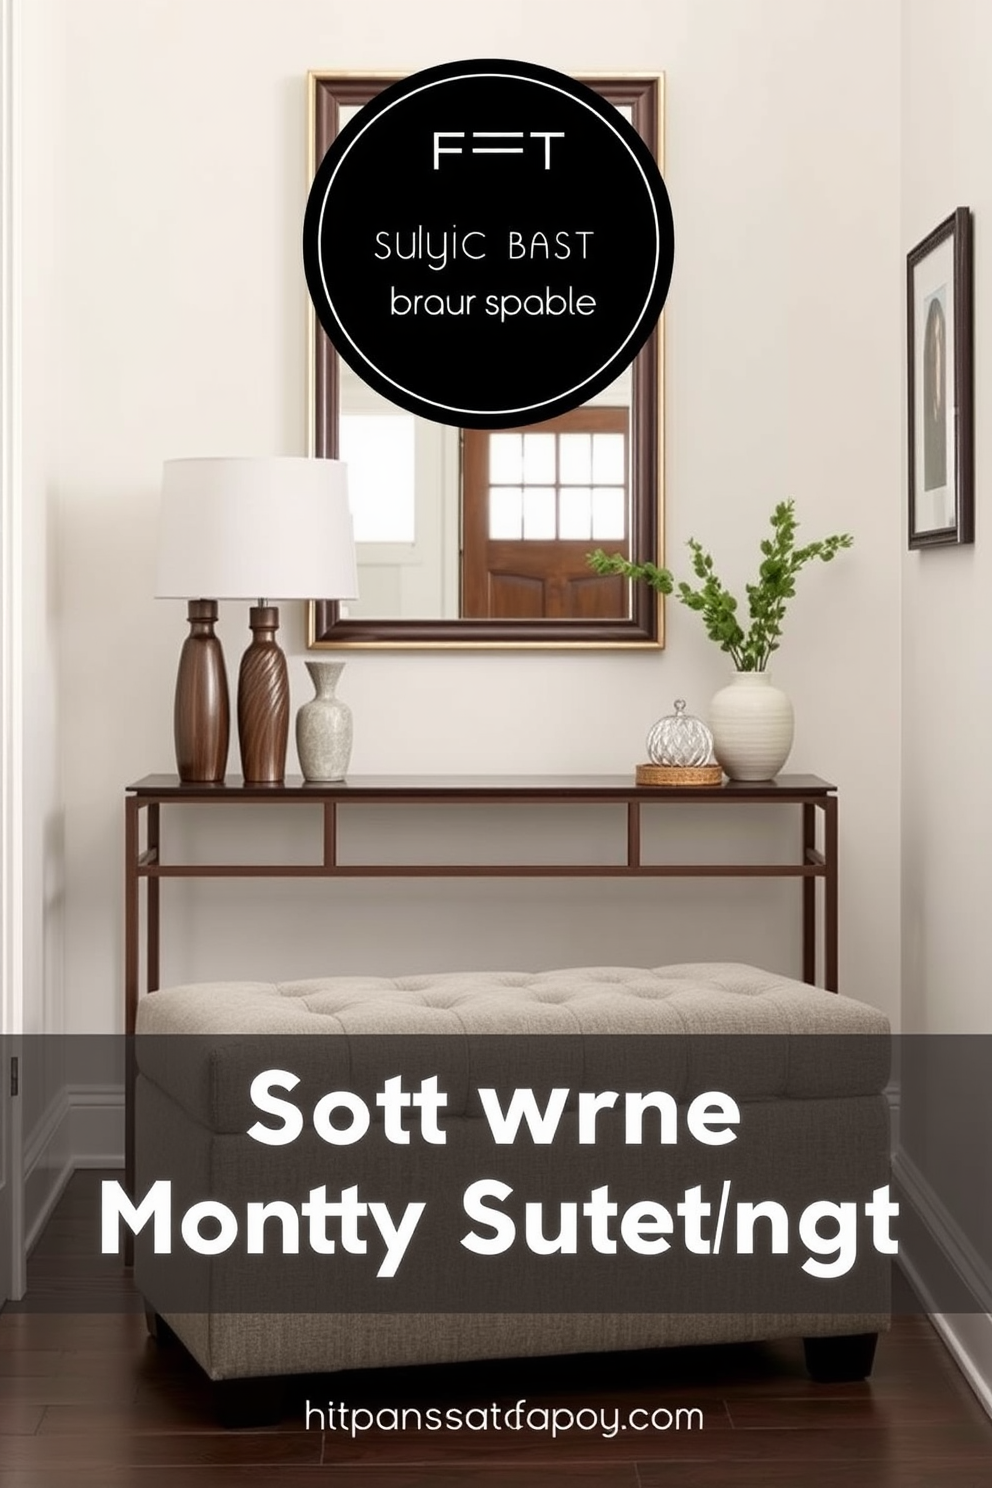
{"points": [[87, 1400]]}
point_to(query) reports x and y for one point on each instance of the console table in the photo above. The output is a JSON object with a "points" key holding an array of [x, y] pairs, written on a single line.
{"points": [[805, 794]]}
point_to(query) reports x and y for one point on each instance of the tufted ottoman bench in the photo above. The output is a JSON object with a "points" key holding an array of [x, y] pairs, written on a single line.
{"points": [[826, 1116]]}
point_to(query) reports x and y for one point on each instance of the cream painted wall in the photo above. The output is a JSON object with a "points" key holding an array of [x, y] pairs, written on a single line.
{"points": [[41, 389], [178, 135], [946, 120], [947, 813]]}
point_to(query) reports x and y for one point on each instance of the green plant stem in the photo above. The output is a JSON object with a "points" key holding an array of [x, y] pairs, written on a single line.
{"points": [[767, 599]]}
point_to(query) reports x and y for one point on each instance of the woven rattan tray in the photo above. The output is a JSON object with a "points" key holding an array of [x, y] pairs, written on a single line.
{"points": [[679, 775]]}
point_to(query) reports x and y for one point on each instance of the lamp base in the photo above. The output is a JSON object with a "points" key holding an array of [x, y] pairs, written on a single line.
{"points": [[202, 714], [263, 701]]}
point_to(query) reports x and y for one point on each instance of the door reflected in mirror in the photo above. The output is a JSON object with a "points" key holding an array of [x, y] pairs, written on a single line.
{"points": [[477, 537], [481, 525]]}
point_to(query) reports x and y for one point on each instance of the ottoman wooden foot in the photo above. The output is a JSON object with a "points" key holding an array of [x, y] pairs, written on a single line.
{"points": [[249, 1402], [848, 1356], [158, 1328]]}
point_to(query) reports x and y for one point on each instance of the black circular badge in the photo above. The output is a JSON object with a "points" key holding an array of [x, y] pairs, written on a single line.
{"points": [[488, 243]]}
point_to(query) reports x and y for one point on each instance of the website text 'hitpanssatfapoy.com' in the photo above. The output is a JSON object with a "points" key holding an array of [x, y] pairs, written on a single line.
{"points": [[550, 1420]]}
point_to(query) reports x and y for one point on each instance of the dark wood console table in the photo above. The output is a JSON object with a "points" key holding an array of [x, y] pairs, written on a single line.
{"points": [[148, 796]]}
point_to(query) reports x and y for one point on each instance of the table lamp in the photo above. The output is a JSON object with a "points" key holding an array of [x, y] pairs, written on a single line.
{"points": [[279, 528]]}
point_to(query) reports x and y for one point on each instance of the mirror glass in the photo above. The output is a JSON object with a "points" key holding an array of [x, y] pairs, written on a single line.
{"points": [[478, 537]]}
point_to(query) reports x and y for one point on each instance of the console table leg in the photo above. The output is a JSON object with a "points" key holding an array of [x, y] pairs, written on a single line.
{"points": [[131, 809], [809, 896], [330, 834], [130, 1078], [130, 913], [633, 834], [153, 886], [830, 893]]}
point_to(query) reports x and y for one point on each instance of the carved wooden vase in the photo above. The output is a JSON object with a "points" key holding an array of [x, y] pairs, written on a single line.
{"points": [[202, 715], [263, 701]]}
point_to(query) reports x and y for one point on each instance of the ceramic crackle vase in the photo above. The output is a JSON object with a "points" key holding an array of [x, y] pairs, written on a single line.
{"points": [[324, 726], [752, 724]]}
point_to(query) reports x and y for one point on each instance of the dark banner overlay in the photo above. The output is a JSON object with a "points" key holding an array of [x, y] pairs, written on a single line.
{"points": [[488, 243], [506, 1174]]}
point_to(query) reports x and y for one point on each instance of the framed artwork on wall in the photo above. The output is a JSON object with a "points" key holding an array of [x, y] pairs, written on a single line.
{"points": [[940, 385]]}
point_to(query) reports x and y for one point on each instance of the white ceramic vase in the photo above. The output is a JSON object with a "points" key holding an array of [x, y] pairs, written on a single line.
{"points": [[324, 726], [752, 724]]}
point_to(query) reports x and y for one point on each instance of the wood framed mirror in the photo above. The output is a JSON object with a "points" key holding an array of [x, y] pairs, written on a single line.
{"points": [[482, 535]]}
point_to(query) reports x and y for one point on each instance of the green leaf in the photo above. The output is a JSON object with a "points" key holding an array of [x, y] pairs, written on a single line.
{"points": [[767, 599]]}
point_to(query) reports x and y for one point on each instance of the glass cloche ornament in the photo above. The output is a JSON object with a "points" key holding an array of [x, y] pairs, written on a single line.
{"points": [[680, 739]]}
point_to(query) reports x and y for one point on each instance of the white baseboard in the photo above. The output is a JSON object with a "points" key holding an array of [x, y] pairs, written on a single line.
{"points": [[96, 1123], [47, 1166], [82, 1127], [968, 1336]]}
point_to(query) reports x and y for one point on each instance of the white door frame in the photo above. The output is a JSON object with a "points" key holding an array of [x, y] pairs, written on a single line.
{"points": [[11, 644]]}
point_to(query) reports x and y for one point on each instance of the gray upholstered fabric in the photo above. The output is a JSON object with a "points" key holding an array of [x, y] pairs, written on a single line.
{"points": [[701, 998], [711, 1000], [236, 1347], [196, 1103]]}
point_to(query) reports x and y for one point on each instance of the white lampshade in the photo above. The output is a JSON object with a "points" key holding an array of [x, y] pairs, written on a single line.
{"points": [[273, 528]]}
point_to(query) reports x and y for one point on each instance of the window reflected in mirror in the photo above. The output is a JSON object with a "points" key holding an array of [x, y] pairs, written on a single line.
{"points": [[473, 524], [534, 501]]}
